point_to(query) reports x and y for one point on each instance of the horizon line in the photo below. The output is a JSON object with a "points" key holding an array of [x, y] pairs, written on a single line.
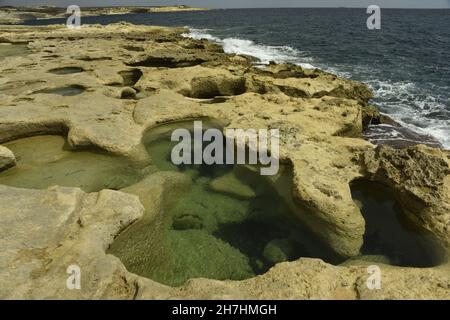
{"points": [[135, 6]]}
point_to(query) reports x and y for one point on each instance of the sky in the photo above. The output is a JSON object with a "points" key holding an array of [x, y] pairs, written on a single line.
{"points": [[241, 3]]}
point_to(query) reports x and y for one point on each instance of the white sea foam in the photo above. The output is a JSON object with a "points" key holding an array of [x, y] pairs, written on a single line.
{"points": [[404, 102], [264, 53], [400, 100]]}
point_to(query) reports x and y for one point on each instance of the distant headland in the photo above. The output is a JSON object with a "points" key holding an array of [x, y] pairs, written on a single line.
{"points": [[17, 15]]}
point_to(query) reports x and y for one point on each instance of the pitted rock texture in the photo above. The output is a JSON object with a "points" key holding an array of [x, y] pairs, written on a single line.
{"points": [[320, 118], [421, 178], [12, 15]]}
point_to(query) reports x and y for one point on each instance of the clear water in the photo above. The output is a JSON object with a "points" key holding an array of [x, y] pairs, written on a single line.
{"points": [[389, 233], [407, 62], [222, 222], [243, 226], [45, 161], [231, 233]]}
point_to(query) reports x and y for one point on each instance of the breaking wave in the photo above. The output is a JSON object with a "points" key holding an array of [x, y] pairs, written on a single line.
{"points": [[403, 101]]}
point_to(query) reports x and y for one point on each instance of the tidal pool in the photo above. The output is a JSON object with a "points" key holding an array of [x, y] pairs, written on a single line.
{"points": [[389, 233], [226, 222], [44, 161], [66, 70], [229, 224], [64, 91], [10, 50]]}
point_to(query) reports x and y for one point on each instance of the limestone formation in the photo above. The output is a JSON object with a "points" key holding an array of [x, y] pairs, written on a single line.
{"points": [[420, 177], [106, 86], [7, 158], [12, 15]]}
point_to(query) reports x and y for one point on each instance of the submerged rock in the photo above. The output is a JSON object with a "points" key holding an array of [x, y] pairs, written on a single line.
{"points": [[187, 222], [278, 250], [231, 185]]}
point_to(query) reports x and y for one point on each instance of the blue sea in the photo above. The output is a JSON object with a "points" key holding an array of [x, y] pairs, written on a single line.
{"points": [[406, 62]]}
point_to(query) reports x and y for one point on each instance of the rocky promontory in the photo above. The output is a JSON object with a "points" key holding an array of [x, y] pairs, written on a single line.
{"points": [[105, 87], [17, 15]]}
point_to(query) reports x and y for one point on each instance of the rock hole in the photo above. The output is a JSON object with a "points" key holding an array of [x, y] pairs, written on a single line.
{"points": [[128, 93], [131, 77], [211, 87], [72, 90], [95, 58], [390, 235], [166, 62], [66, 70]]}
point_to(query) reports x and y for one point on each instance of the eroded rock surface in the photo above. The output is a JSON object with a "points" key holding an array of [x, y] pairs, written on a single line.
{"points": [[12, 15], [421, 178], [133, 78], [7, 158]]}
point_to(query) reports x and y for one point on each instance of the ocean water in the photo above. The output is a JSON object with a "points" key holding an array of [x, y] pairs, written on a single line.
{"points": [[406, 63]]}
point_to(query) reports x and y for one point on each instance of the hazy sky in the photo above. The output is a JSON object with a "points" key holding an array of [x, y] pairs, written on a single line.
{"points": [[243, 3]]}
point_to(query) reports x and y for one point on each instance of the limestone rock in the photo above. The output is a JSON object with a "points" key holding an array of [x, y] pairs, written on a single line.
{"points": [[420, 177], [44, 232], [319, 116], [7, 158]]}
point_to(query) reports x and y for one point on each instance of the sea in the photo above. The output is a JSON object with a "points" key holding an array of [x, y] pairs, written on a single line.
{"points": [[406, 63]]}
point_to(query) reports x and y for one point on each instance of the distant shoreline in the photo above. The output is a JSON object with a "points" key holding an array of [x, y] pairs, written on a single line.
{"points": [[18, 15]]}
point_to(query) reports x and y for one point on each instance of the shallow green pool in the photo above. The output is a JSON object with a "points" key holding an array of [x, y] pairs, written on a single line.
{"points": [[389, 232], [44, 161], [229, 224]]}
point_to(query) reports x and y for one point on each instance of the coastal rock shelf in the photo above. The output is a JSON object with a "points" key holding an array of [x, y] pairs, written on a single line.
{"points": [[12, 49], [85, 177], [12, 15]]}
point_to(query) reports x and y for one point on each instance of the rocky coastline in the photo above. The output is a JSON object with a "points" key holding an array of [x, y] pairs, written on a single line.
{"points": [[18, 15], [105, 87]]}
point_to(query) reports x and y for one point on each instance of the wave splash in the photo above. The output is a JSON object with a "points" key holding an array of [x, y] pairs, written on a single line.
{"points": [[265, 53], [414, 109], [402, 101]]}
